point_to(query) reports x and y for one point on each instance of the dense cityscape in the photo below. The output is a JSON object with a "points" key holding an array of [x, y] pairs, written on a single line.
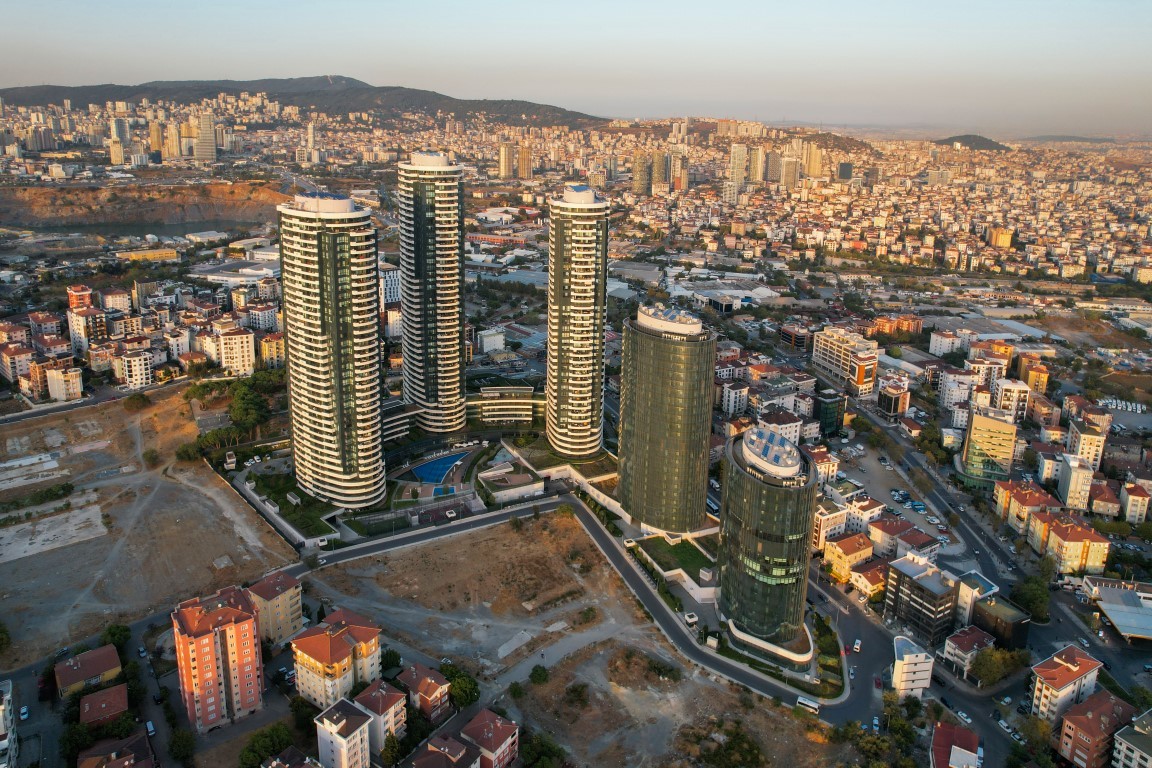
{"points": [[343, 432]]}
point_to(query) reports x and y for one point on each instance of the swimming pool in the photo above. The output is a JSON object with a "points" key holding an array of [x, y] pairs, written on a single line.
{"points": [[435, 471]]}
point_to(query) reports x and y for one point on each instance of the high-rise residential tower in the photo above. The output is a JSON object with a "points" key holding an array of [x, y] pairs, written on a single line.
{"points": [[765, 525], [507, 169], [432, 288], [641, 174], [577, 284], [331, 306], [205, 147], [756, 162], [524, 162], [738, 165], [665, 417]]}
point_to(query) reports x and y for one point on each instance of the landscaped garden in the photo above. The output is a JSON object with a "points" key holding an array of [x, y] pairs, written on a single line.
{"points": [[669, 557]]}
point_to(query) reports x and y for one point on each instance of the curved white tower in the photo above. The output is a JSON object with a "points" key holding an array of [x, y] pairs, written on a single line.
{"points": [[432, 289], [332, 345], [577, 281]]}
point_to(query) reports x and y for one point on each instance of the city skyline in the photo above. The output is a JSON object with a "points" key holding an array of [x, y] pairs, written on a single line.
{"points": [[976, 73]]}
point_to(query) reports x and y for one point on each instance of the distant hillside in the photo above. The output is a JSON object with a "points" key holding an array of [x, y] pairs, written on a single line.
{"points": [[973, 141], [1071, 139], [330, 93]]}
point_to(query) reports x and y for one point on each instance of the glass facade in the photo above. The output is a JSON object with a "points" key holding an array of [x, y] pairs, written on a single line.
{"points": [[431, 212], [765, 528], [665, 416], [332, 348], [577, 304]]}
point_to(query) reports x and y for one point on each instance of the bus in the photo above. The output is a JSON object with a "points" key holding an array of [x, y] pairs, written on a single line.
{"points": [[809, 704], [713, 505]]}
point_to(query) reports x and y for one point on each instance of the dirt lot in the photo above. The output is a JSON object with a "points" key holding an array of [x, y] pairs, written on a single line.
{"points": [[145, 562], [614, 704], [474, 597], [1090, 332]]}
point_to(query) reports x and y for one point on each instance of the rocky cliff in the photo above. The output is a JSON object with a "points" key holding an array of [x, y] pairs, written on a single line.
{"points": [[178, 204]]}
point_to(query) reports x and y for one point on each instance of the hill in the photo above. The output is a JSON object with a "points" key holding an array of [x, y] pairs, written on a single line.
{"points": [[326, 93], [973, 141], [1070, 139]]}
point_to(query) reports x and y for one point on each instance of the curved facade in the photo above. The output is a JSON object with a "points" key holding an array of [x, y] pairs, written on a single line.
{"points": [[332, 347], [665, 417], [765, 525], [577, 285], [431, 214]]}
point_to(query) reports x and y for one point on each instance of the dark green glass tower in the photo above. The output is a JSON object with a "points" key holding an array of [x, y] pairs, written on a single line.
{"points": [[665, 414], [765, 527]]}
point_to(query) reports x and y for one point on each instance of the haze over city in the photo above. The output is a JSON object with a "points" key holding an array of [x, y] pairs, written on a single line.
{"points": [[1012, 69]]}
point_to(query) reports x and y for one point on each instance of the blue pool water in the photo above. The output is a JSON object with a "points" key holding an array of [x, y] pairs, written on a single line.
{"points": [[444, 491], [434, 471]]}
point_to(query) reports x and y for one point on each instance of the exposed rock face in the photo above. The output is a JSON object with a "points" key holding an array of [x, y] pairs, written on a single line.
{"points": [[176, 204]]}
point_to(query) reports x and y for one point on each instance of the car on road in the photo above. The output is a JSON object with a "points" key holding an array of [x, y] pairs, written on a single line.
{"points": [[24, 712], [876, 681], [876, 724], [852, 673], [1084, 642], [863, 598], [1017, 737], [1023, 709], [322, 561], [1006, 700], [964, 717], [158, 698], [142, 652], [1004, 726], [856, 646]]}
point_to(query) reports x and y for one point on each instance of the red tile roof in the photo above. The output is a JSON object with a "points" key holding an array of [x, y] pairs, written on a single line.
{"points": [[422, 680], [1065, 667], [87, 665], [1100, 715], [202, 616], [971, 638], [945, 736], [336, 639], [852, 544], [104, 705], [489, 731], [380, 697], [274, 585]]}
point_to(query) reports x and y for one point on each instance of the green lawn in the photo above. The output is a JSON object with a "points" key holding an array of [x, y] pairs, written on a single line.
{"points": [[670, 557], [306, 516]]}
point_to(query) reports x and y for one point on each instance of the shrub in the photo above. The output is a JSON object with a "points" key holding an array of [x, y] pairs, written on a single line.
{"points": [[539, 674], [136, 402]]}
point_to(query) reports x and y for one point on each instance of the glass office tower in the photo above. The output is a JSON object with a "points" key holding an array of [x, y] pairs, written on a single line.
{"points": [[665, 416]]}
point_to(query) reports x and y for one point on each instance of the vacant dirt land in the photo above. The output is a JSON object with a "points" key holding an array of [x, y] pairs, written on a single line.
{"points": [[616, 704], [1091, 332], [168, 532], [522, 573]]}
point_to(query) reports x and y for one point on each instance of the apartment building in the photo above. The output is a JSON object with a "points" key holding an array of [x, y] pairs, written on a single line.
{"points": [[1012, 396], [1065, 678], [342, 739], [333, 657], [96, 667], [427, 691], [218, 658], [277, 599], [1134, 499], [961, 647], [1085, 737], [911, 669], [1017, 501], [922, 597], [9, 741], [1086, 440], [847, 358], [989, 446], [954, 746], [1075, 481], [843, 554], [1073, 545], [495, 737], [1132, 745], [238, 351], [389, 715]]}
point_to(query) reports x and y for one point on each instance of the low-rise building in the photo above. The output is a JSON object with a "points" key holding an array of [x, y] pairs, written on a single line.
{"points": [[1132, 745], [96, 667], [911, 669], [843, 554], [954, 746], [1086, 731], [389, 715], [104, 705], [342, 736], [1065, 678], [443, 751], [497, 739], [427, 691], [961, 647]]}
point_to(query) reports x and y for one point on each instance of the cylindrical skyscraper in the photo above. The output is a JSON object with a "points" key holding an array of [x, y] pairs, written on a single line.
{"points": [[577, 284], [332, 345], [765, 527], [665, 417], [432, 288]]}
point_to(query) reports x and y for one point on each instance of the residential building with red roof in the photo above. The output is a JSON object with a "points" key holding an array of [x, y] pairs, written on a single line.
{"points": [[96, 667], [870, 577], [427, 691], [342, 739], [389, 715], [961, 647], [842, 554], [954, 746], [132, 752], [1065, 678], [1086, 731], [884, 532], [1134, 500], [1070, 541], [443, 751], [104, 706], [1017, 501], [497, 739], [333, 657], [218, 658]]}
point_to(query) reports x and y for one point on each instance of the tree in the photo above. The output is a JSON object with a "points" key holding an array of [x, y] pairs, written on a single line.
{"points": [[303, 713], [117, 635], [76, 737], [1037, 734], [182, 745], [1031, 594], [539, 674], [5, 638], [912, 706], [321, 612], [188, 452], [516, 690], [987, 666], [465, 691], [151, 457], [390, 754], [390, 658], [136, 402], [265, 743]]}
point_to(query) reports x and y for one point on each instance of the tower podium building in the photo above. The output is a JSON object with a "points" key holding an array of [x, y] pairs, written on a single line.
{"points": [[432, 289], [766, 519], [577, 285], [665, 417], [331, 308]]}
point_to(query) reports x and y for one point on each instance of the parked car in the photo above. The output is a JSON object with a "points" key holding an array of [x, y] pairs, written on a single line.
{"points": [[964, 717], [24, 712], [1004, 726], [142, 652], [1006, 700]]}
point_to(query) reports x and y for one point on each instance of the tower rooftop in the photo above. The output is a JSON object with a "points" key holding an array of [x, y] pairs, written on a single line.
{"points": [[770, 453]]}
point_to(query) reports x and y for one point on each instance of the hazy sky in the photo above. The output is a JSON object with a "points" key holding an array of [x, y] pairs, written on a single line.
{"points": [[1009, 68]]}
